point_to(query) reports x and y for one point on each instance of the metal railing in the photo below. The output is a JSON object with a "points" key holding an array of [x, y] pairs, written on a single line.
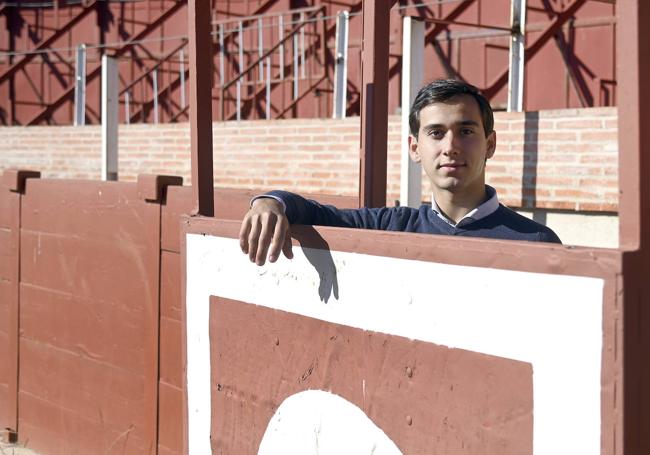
{"points": [[289, 57]]}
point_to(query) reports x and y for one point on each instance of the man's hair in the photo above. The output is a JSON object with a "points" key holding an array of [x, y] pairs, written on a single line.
{"points": [[442, 90]]}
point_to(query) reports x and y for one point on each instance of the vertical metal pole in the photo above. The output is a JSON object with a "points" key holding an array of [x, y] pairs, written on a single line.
{"points": [[182, 70], [155, 95], [80, 87], [240, 34], [238, 99], [201, 139], [295, 66], [302, 45], [341, 66], [517, 62], [268, 88], [281, 48], [222, 64], [110, 96], [260, 48], [127, 107], [374, 103], [412, 74]]}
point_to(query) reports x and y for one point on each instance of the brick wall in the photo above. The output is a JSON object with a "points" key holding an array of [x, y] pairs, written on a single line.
{"points": [[558, 159]]}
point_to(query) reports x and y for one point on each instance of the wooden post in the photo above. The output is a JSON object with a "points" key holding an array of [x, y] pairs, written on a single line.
{"points": [[374, 103], [201, 107]]}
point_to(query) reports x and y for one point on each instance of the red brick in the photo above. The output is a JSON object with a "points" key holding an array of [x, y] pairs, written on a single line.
{"points": [[555, 136], [597, 207], [576, 194], [599, 136], [582, 124], [605, 159]]}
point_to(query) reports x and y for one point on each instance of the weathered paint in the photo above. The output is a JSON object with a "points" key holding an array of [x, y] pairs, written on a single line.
{"points": [[427, 398], [318, 422], [558, 328]]}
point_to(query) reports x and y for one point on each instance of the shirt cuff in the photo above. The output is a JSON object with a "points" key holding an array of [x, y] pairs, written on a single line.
{"points": [[261, 196]]}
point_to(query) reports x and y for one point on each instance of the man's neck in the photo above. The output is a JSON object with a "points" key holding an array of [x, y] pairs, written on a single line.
{"points": [[456, 206]]}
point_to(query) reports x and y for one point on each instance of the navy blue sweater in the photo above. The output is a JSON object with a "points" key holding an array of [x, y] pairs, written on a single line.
{"points": [[503, 223]]}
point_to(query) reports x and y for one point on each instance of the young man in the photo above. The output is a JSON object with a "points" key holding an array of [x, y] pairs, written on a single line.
{"points": [[452, 135]]}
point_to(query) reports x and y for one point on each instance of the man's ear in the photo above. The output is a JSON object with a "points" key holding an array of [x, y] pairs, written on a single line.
{"points": [[491, 145], [413, 149]]}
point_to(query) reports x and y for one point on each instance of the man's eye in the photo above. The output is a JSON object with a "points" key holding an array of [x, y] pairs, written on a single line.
{"points": [[436, 133], [466, 131]]}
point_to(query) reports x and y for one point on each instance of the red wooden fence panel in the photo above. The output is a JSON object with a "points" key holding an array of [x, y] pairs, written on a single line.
{"points": [[89, 295], [13, 184], [9, 218]]}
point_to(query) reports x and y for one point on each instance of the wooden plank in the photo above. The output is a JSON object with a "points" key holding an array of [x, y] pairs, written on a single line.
{"points": [[121, 273], [5, 412], [171, 358], [170, 392], [89, 209], [426, 398], [5, 209], [47, 424], [170, 436], [105, 396], [9, 252], [170, 285], [7, 378], [99, 330], [5, 293]]}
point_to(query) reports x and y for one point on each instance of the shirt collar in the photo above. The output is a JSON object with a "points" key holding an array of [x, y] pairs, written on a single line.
{"points": [[486, 208]]}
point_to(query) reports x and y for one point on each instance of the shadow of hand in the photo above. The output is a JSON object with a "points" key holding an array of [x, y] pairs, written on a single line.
{"points": [[317, 252]]}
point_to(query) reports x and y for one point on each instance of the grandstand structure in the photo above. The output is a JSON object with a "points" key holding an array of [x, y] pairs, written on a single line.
{"points": [[278, 58]]}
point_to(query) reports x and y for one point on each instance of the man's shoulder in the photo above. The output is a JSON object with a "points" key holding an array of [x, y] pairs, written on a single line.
{"points": [[525, 226]]}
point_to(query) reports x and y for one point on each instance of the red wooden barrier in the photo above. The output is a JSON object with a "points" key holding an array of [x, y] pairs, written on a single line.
{"points": [[13, 184], [100, 311], [89, 301], [231, 204]]}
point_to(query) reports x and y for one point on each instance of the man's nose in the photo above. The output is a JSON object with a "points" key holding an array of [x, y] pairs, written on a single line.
{"points": [[450, 144]]}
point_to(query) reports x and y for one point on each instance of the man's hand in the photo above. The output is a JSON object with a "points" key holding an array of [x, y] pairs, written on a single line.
{"points": [[265, 228]]}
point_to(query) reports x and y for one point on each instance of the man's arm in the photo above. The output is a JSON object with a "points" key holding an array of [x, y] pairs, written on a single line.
{"points": [[265, 228]]}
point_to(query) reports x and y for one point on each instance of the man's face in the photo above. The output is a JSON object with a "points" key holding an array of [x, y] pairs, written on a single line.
{"points": [[452, 147]]}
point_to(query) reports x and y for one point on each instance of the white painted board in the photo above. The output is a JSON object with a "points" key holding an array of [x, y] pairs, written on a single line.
{"points": [[553, 322]]}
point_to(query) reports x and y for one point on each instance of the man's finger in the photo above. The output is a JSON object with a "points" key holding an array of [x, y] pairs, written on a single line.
{"points": [[243, 234], [278, 238], [253, 238], [286, 246], [268, 224]]}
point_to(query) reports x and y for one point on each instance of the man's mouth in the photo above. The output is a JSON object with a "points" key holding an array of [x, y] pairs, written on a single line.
{"points": [[451, 165]]}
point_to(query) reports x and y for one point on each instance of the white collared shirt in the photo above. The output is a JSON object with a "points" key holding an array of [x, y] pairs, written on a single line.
{"points": [[486, 208]]}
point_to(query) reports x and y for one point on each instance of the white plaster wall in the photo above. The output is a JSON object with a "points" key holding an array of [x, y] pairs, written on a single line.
{"points": [[580, 229]]}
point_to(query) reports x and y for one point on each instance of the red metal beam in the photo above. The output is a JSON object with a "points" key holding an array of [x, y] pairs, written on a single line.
{"points": [[201, 107], [579, 84], [374, 102], [54, 105], [287, 70], [441, 25], [173, 85], [43, 45], [501, 80]]}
